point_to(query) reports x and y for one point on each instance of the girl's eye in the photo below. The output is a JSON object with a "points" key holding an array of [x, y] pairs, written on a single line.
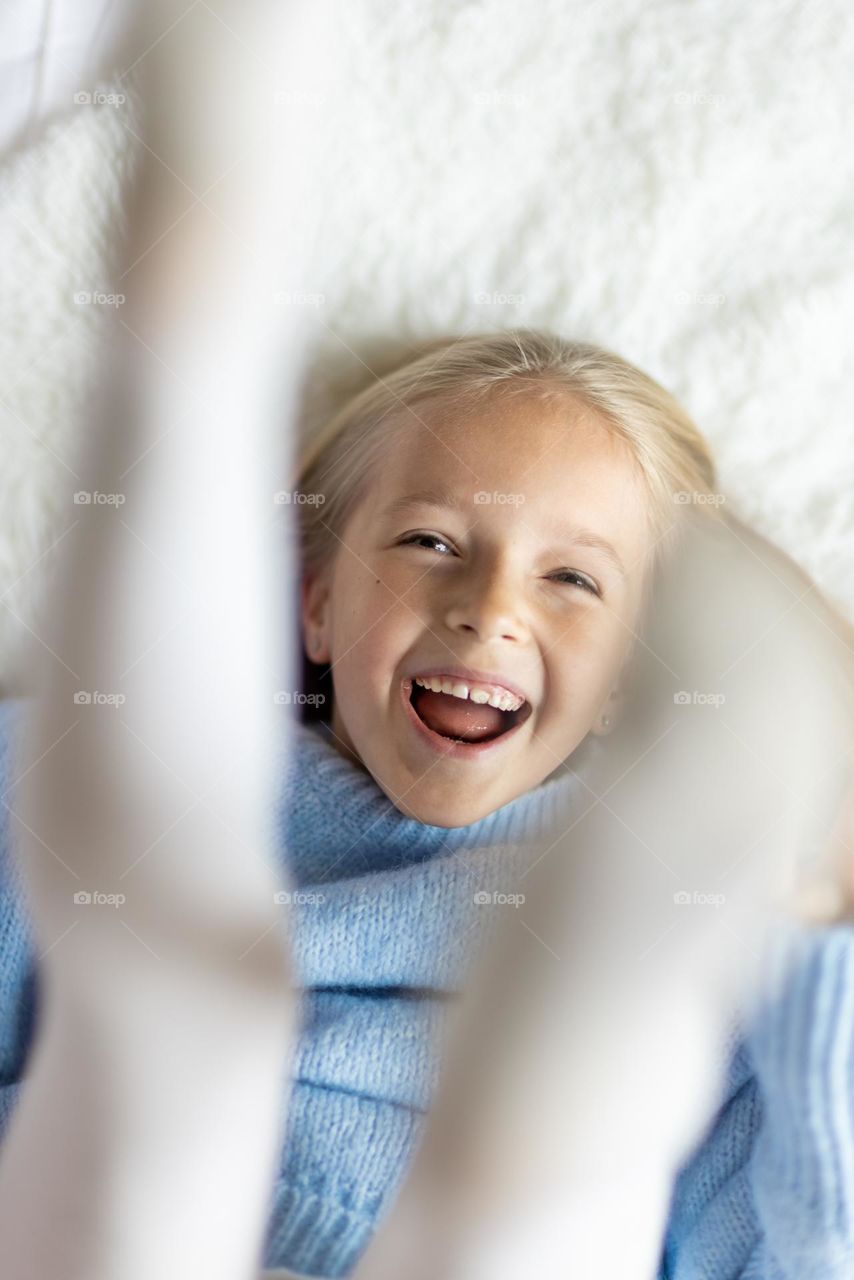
{"points": [[577, 579], [421, 538], [568, 576]]}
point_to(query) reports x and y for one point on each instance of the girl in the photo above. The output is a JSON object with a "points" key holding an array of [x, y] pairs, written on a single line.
{"points": [[480, 538], [481, 534]]}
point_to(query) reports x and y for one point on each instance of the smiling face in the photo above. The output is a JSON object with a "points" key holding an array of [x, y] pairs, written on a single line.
{"points": [[503, 546]]}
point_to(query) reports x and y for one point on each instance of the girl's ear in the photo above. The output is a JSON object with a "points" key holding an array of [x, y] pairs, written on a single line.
{"points": [[314, 602]]}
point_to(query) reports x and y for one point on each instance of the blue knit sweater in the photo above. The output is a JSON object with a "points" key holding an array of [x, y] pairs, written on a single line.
{"points": [[384, 920]]}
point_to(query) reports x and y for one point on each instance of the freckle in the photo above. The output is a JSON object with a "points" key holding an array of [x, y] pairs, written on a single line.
{"points": [[378, 582]]}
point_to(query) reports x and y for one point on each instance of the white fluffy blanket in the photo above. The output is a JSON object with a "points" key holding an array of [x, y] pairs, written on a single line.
{"points": [[669, 179]]}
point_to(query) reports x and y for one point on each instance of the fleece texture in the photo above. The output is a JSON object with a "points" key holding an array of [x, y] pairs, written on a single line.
{"points": [[670, 180]]}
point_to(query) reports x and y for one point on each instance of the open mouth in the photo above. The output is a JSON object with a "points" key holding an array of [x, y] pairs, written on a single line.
{"points": [[461, 718]]}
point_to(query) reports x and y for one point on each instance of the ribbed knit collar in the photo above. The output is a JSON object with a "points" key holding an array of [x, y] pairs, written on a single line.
{"points": [[336, 821], [381, 900]]}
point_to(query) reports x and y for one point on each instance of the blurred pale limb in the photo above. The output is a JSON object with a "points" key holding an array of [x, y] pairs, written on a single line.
{"points": [[591, 1040], [145, 1141]]}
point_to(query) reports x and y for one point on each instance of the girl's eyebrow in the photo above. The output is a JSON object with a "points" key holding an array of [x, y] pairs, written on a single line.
{"points": [[425, 498], [587, 538], [575, 534]]}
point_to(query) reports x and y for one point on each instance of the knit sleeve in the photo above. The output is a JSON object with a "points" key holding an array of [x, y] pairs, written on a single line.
{"points": [[770, 1193]]}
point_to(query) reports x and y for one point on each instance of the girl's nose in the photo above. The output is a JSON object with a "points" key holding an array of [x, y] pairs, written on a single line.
{"points": [[491, 611]]}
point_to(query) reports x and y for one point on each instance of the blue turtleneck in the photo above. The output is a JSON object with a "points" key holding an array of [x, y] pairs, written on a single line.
{"points": [[384, 916]]}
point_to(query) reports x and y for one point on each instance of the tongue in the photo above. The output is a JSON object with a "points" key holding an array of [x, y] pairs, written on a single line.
{"points": [[458, 717]]}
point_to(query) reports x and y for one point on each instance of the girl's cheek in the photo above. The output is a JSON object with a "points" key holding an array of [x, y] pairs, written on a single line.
{"points": [[582, 678], [385, 582]]}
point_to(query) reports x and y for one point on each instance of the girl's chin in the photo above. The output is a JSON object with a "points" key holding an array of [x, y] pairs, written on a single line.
{"points": [[438, 814], [437, 799]]}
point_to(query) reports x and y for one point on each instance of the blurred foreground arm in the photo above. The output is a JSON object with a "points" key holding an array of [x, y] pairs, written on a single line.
{"points": [[145, 1140]]}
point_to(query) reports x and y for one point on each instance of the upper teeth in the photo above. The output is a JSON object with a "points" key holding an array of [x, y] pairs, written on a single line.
{"points": [[501, 698]]}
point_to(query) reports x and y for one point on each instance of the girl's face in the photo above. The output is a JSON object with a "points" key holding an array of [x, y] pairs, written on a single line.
{"points": [[504, 546]]}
